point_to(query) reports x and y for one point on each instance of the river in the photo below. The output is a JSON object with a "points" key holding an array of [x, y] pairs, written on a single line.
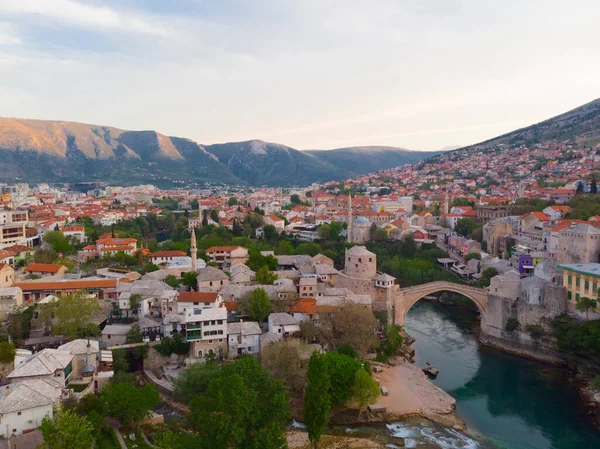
{"points": [[507, 401]]}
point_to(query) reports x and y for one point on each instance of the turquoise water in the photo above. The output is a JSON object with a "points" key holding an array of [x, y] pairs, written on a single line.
{"points": [[507, 401]]}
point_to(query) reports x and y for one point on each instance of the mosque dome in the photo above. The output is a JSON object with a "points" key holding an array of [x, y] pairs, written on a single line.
{"points": [[361, 221]]}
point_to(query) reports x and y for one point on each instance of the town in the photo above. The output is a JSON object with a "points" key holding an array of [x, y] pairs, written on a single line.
{"points": [[98, 282]]}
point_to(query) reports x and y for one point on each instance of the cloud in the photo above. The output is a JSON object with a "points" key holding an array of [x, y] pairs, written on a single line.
{"points": [[82, 15], [8, 35]]}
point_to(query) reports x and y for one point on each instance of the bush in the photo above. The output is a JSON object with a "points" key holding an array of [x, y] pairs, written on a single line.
{"points": [[535, 330], [471, 256], [595, 382], [512, 324], [172, 345], [579, 337]]}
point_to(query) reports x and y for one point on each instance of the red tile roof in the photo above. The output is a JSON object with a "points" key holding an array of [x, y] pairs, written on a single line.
{"points": [[44, 267]]}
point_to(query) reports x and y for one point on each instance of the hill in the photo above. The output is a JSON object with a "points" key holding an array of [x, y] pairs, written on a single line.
{"points": [[57, 151], [363, 160], [580, 125]]}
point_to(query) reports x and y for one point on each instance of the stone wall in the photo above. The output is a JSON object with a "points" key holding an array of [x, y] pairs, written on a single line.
{"points": [[553, 304]]}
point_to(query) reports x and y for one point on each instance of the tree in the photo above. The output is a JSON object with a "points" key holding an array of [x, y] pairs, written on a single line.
{"points": [[214, 215], [270, 233], [232, 201], [47, 255], [472, 256], [341, 369], [317, 402], [194, 380], [282, 360], [466, 226], [353, 325], [594, 186], [58, 241], [242, 407], [259, 305], [134, 335], [67, 430], [579, 189], [392, 340], [189, 279], [72, 315], [128, 403], [324, 231], [365, 390], [134, 302], [7, 352], [265, 277], [172, 281], [586, 304], [295, 199]]}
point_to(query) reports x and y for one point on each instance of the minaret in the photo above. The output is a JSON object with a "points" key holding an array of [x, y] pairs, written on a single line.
{"points": [[446, 204], [193, 250], [349, 219]]}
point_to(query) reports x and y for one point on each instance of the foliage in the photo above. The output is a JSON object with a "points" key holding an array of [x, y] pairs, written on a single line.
{"points": [[472, 256], [72, 315], [58, 241], [512, 324], [134, 302], [120, 362], [128, 403], [265, 277], [341, 369], [586, 304], [7, 351], [466, 227], [172, 345], [595, 382], [242, 407], [256, 261], [134, 335], [535, 330], [347, 350], [47, 255], [577, 337], [172, 281], [189, 279], [392, 340], [364, 390], [353, 325], [486, 277], [317, 402], [282, 360], [257, 305], [67, 430], [194, 380]]}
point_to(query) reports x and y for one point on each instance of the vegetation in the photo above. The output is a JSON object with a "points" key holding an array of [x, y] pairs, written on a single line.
{"points": [[194, 380], [264, 276], [7, 352], [535, 330], [282, 361], [392, 340], [512, 324], [586, 304], [257, 305], [72, 315], [317, 402], [595, 382], [127, 402], [134, 335], [365, 390], [172, 345], [468, 228], [578, 337], [67, 430]]}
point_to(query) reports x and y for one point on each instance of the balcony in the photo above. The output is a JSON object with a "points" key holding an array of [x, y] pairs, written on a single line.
{"points": [[192, 327], [194, 335]]}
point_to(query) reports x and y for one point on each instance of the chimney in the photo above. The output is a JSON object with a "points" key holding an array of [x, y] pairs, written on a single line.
{"points": [[7, 390]]}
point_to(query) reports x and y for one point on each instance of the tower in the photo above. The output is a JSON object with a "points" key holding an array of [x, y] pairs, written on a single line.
{"points": [[349, 219], [193, 250], [446, 204]]}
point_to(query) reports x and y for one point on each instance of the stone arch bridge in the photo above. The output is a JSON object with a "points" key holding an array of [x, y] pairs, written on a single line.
{"points": [[407, 297]]}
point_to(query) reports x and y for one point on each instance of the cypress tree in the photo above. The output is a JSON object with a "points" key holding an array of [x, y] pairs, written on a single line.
{"points": [[317, 402]]}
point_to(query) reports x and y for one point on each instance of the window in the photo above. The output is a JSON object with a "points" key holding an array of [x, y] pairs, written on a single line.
{"points": [[577, 282], [570, 295], [18, 413], [594, 287], [213, 322], [206, 323], [577, 297], [220, 321], [570, 279], [210, 283], [587, 285]]}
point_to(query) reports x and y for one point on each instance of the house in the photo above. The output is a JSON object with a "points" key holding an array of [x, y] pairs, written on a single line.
{"points": [[85, 352], [7, 275], [283, 325], [45, 269], [241, 274], [243, 338], [226, 256], [581, 280], [7, 257], [24, 405], [22, 252], [46, 364], [115, 334], [277, 222], [304, 309], [100, 288], [10, 297], [211, 279], [76, 232], [160, 257]]}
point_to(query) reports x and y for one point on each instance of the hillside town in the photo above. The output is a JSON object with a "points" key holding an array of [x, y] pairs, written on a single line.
{"points": [[90, 272]]}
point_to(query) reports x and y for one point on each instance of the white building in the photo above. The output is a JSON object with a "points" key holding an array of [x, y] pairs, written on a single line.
{"points": [[283, 325], [46, 364], [243, 338]]}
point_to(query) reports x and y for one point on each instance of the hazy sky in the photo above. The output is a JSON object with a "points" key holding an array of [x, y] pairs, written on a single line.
{"points": [[420, 74]]}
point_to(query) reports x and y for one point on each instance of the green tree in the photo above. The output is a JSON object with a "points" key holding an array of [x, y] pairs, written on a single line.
{"points": [[594, 186], [47, 255], [214, 215], [134, 302], [317, 402], [194, 380], [67, 430], [586, 304], [259, 305], [324, 231], [7, 352], [232, 201], [341, 369], [128, 403], [265, 277], [295, 199], [466, 227], [172, 281], [512, 324], [189, 279], [72, 315], [58, 241], [365, 390], [134, 335], [270, 233], [392, 340]]}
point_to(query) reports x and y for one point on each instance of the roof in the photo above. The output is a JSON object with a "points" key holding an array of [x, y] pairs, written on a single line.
{"points": [[384, 277], [27, 395], [116, 329], [20, 249], [198, 297], [304, 305], [168, 254], [80, 346], [282, 319], [44, 267], [244, 328], [359, 251], [361, 220], [79, 284], [211, 274], [44, 363], [30, 440], [214, 249], [592, 269]]}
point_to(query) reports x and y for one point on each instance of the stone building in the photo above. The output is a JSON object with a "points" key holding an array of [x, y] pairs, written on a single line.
{"points": [[579, 243], [497, 234], [491, 212]]}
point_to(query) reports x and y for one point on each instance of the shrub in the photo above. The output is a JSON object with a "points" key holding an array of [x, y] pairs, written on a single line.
{"points": [[535, 330], [172, 345], [595, 382], [512, 324]]}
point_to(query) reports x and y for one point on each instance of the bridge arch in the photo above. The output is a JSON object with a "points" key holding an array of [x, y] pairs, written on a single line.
{"points": [[407, 297]]}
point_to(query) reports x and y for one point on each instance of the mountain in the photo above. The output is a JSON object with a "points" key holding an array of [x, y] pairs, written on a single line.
{"points": [[263, 163], [56, 151], [581, 125], [363, 160]]}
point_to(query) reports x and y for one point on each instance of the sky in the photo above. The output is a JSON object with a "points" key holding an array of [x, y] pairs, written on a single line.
{"points": [[311, 74]]}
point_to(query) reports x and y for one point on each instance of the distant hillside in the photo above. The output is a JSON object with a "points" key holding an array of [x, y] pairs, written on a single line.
{"points": [[581, 125], [363, 160]]}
